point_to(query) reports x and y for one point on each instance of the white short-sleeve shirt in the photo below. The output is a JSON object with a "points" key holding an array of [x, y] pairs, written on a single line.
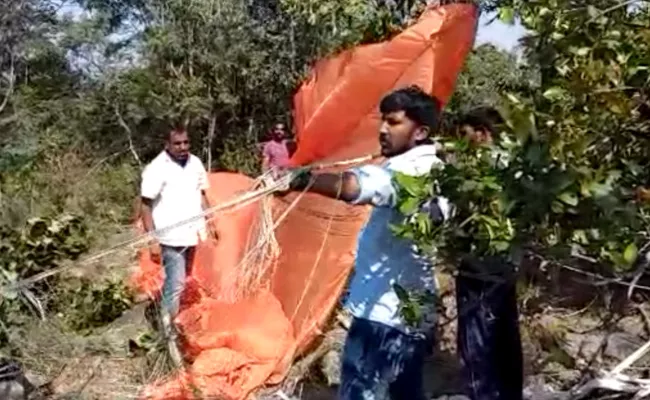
{"points": [[382, 259], [176, 194]]}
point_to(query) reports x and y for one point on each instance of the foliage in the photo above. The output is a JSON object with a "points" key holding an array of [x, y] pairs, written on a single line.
{"points": [[413, 305], [337, 25], [225, 69], [43, 244], [91, 304], [86, 96], [563, 178], [488, 72]]}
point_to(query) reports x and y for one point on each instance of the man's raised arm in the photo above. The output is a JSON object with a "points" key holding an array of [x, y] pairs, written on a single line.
{"points": [[368, 184], [342, 186]]}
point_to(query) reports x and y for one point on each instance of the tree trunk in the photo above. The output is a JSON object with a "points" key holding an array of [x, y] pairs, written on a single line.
{"points": [[211, 129]]}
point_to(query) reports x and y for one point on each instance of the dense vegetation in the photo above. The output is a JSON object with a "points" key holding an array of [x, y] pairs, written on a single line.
{"points": [[88, 86], [569, 184]]}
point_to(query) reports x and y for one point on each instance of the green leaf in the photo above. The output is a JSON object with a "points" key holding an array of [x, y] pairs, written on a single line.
{"points": [[557, 36], [468, 186], [500, 246], [513, 98], [580, 236], [593, 12], [631, 254], [409, 206], [569, 198], [507, 15], [555, 93], [413, 185], [401, 293], [423, 223]]}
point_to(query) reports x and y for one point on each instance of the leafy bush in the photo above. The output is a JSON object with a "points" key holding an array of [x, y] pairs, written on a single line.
{"points": [[563, 179], [42, 245], [86, 305]]}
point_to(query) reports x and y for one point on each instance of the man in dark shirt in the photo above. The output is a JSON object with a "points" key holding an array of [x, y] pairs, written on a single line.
{"points": [[489, 343]]}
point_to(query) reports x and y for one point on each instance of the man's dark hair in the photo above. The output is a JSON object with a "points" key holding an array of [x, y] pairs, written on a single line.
{"points": [[482, 118], [172, 128], [419, 106]]}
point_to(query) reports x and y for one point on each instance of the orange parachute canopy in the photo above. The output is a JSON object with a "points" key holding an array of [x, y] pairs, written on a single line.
{"points": [[236, 347]]}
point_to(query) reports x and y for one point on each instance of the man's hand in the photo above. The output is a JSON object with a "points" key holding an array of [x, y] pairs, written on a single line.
{"points": [[301, 178], [295, 179], [155, 251], [210, 222], [211, 226]]}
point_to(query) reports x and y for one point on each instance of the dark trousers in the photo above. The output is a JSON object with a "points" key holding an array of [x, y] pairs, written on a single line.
{"points": [[381, 363], [489, 344]]}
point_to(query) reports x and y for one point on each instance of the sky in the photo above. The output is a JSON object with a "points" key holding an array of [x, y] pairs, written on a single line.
{"points": [[498, 33]]}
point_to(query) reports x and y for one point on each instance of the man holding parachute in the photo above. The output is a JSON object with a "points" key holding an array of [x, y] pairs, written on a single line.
{"points": [[383, 353]]}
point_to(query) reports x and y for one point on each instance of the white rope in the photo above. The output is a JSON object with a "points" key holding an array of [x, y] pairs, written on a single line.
{"points": [[231, 205], [237, 203]]}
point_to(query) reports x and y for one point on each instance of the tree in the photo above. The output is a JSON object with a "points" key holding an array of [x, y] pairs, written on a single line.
{"points": [[573, 186], [85, 98], [488, 72]]}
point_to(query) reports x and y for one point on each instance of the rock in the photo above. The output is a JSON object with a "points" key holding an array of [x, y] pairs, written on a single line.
{"points": [[125, 329], [569, 376], [544, 393], [538, 388], [621, 344], [36, 379], [583, 347], [633, 325]]}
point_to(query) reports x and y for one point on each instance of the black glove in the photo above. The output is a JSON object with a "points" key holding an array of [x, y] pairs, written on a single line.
{"points": [[301, 177]]}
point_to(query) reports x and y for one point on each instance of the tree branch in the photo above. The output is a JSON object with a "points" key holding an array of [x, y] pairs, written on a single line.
{"points": [[613, 8], [12, 79], [208, 149], [601, 280], [129, 134]]}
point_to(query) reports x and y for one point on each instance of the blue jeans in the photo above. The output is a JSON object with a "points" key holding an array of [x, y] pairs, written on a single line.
{"points": [[489, 344], [177, 262], [381, 363]]}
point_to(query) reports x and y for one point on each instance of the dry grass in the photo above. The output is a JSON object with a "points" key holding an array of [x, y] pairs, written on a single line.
{"points": [[102, 366]]}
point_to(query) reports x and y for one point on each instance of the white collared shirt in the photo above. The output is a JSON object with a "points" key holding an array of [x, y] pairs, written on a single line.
{"points": [[382, 259], [176, 194]]}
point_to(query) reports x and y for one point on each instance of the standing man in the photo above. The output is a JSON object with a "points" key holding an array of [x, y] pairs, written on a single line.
{"points": [[489, 343], [384, 354], [173, 190], [478, 125], [276, 152]]}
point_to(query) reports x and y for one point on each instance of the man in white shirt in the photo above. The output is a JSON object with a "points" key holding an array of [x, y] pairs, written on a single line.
{"points": [[384, 353], [173, 191]]}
